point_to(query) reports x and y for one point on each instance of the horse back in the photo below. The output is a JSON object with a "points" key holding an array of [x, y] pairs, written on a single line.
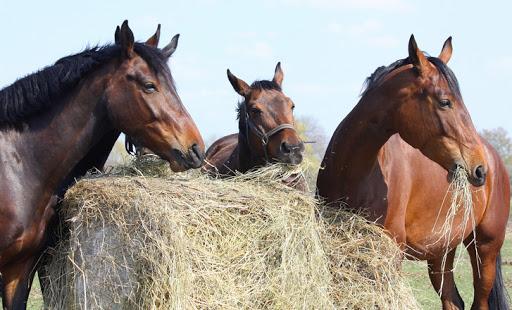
{"points": [[222, 156]]}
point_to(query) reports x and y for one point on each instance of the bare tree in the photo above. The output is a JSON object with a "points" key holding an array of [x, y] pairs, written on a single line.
{"points": [[316, 142], [501, 141]]}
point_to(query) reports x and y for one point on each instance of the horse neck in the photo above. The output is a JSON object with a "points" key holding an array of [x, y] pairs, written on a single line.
{"points": [[361, 135], [64, 134], [94, 159], [247, 160]]}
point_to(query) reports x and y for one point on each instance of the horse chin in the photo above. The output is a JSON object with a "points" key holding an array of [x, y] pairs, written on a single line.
{"points": [[296, 159], [176, 167], [291, 160]]}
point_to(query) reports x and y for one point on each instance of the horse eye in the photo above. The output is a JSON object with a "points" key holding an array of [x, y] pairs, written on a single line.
{"points": [[255, 111], [445, 103], [149, 87], [293, 107]]}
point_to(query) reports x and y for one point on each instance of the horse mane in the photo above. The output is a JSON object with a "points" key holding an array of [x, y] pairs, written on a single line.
{"points": [[380, 73], [35, 92]]}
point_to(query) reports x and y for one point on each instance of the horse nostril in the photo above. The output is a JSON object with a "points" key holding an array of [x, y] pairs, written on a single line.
{"points": [[285, 148], [480, 173], [196, 155], [301, 148]]}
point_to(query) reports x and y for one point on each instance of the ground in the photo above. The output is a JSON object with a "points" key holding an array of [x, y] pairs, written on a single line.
{"points": [[416, 275]]}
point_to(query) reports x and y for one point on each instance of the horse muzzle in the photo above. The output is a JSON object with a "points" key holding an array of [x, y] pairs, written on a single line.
{"points": [[476, 177], [192, 159], [291, 153]]}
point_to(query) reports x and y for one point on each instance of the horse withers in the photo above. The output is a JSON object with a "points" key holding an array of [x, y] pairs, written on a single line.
{"points": [[393, 156], [64, 119], [266, 131]]}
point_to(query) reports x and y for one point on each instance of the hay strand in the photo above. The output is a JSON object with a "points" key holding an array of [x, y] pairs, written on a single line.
{"points": [[461, 201]]}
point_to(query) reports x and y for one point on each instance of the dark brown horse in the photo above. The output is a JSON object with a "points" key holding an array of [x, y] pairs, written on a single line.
{"points": [[266, 131], [64, 119], [390, 158]]}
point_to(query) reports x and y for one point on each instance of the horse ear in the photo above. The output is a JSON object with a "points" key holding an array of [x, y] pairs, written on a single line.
{"points": [[116, 35], [239, 85], [126, 40], [278, 75], [171, 47], [446, 52], [153, 41], [417, 57]]}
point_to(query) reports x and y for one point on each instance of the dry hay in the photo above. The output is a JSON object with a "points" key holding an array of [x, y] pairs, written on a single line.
{"points": [[460, 204], [188, 242]]}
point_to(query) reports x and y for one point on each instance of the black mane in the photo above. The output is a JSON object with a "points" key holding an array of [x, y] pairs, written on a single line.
{"points": [[380, 73], [266, 85], [35, 92]]}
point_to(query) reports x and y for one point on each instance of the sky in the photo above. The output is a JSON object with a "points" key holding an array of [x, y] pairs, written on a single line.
{"points": [[327, 48]]}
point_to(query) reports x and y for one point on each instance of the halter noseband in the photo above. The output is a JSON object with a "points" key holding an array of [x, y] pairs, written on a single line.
{"points": [[264, 136]]}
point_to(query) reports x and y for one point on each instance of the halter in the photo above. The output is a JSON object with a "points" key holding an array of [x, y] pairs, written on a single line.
{"points": [[130, 147], [264, 136]]}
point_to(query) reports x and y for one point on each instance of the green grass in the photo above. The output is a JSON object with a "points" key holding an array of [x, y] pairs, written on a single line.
{"points": [[416, 273], [35, 301]]}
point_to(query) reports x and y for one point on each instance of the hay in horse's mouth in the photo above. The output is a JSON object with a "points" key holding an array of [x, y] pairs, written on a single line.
{"points": [[461, 200], [187, 241]]}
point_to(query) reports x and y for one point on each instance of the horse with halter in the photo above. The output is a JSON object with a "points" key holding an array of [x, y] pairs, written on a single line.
{"points": [[392, 158], [59, 122], [266, 131]]}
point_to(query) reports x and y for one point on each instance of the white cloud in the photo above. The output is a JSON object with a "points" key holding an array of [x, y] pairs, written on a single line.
{"points": [[312, 88], [258, 49], [365, 27], [384, 5], [145, 21], [371, 32], [189, 68], [500, 65], [383, 41]]}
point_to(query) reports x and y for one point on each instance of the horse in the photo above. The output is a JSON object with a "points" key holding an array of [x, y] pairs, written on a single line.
{"points": [[266, 131], [392, 158], [58, 122]]}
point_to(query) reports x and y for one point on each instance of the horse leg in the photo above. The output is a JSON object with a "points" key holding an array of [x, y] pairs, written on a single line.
{"points": [[17, 279], [17, 275], [486, 265], [450, 297]]}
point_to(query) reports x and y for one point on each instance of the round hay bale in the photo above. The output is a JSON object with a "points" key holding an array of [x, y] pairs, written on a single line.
{"points": [[187, 241]]}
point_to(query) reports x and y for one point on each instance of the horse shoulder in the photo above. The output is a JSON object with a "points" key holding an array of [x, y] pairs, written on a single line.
{"points": [[395, 168]]}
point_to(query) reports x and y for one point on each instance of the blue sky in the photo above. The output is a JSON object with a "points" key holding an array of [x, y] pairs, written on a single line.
{"points": [[327, 47]]}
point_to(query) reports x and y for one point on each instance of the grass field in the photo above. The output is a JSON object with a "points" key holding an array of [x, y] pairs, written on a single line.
{"points": [[416, 274]]}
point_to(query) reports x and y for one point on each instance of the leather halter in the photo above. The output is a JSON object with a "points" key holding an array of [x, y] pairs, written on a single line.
{"points": [[130, 147], [264, 136]]}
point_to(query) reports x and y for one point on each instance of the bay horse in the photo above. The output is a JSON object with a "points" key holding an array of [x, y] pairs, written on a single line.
{"points": [[392, 157], [57, 123], [266, 131]]}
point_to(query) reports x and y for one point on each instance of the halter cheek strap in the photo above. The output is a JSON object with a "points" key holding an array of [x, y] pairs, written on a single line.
{"points": [[264, 136], [129, 146]]}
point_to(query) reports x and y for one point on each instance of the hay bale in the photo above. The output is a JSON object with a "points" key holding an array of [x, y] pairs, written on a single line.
{"points": [[187, 241]]}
